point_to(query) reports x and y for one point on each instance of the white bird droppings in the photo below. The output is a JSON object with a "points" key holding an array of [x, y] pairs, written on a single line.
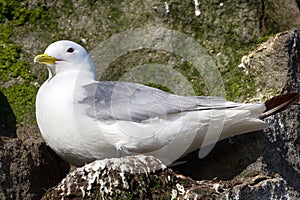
{"points": [[197, 9]]}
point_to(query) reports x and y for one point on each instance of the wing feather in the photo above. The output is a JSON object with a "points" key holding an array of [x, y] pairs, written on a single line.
{"points": [[136, 102]]}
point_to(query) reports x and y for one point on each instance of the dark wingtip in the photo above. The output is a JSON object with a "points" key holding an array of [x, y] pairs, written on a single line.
{"points": [[279, 103]]}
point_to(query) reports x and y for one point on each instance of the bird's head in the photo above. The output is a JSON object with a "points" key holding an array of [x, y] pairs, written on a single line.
{"points": [[66, 56]]}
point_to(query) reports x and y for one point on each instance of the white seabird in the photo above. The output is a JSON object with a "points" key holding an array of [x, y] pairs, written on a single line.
{"points": [[82, 119]]}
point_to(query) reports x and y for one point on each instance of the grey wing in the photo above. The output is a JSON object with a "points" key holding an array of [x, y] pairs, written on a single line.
{"points": [[136, 102]]}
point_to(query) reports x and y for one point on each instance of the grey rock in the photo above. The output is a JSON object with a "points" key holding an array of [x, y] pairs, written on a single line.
{"points": [[144, 177], [258, 187], [273, 152], [137, 177], [235, 166], [28, 167], [282, 156]]}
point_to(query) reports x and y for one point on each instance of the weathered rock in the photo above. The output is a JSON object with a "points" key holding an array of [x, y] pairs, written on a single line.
{"points": [[144, 177], [28, 167], [225, 29], [118, 178], [258, 187], [272, 152], [283, 152], [269, 65]]}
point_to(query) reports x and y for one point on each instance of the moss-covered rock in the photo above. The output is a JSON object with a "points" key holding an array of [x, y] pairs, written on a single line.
{"points": [[227, 30], [17, 81]]}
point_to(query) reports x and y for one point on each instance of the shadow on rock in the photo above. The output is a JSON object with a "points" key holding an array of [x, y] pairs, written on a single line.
{"points": [[228, 159], [7, 118], [28, 168]]}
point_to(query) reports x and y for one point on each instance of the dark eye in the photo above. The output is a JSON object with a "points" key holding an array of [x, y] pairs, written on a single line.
{"points": [[70, 50]]}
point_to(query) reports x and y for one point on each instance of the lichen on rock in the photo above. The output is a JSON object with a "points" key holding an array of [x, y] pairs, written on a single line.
{"points": [[125, 177], [144, 177]]}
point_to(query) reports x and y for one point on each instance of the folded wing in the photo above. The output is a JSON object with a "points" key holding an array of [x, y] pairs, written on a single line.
{"points": [[135, 102]]}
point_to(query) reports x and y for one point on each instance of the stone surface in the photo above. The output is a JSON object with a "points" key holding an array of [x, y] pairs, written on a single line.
{"points": [[144, 177], [126, 177], [28, 167], [269, 65], [272, 152], [240, 167]]}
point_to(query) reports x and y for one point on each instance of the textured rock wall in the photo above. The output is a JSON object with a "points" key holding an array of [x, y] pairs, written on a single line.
{"points": [[273, 152], [227, 30], [28, 167]]}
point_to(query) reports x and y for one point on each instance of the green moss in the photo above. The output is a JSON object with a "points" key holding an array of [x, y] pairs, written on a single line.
{"points": [[17, 13], [218, 29], [238, 84], [10, 64], [15, 75], [264, 38], [194, 77], [126, 62], [21, 97], [161, 87], [115, 13]]}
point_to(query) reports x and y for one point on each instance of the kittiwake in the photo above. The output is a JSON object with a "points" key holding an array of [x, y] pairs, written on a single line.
{"points": [[83, 119]]}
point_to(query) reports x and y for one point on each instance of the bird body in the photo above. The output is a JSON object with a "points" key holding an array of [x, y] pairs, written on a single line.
{"points": [[82, 119]]}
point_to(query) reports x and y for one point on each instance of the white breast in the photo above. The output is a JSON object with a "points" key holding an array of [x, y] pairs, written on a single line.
{"points": [[60, 122]]}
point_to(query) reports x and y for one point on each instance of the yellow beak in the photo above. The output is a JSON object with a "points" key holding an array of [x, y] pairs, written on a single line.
{"points": [[45, 59]]}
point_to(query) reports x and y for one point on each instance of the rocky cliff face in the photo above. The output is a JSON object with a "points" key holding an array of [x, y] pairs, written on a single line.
{"points": [[28, 167], [242, 167], [142, 177], [260, 165], [273, 152]]}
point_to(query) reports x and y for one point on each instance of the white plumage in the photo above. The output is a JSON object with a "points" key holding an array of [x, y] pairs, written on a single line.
{"points": [[82, 119]]}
